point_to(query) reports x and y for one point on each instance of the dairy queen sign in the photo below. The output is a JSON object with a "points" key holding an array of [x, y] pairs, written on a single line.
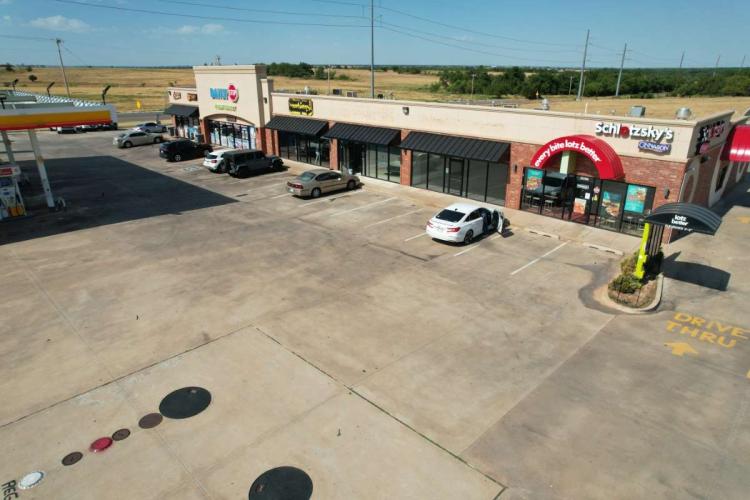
{"points": [[231, 93]]}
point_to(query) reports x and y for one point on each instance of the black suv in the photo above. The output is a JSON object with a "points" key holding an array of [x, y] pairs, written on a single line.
{"points": [[245, 162], [183, 149]]}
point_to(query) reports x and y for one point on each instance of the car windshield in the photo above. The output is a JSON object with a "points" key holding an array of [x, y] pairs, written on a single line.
{"points": [[450, 215], [211, 156], [307, 176]]}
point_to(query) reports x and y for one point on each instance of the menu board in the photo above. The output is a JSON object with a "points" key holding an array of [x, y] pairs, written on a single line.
{"points": [[635, 199], [610, 206], [579, 206], [534, 178]]}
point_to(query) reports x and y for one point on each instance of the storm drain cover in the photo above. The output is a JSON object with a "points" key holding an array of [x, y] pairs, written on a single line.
{"points": [[150, 421], [72, 458], [30, 480], [185, 403], [282, 483], [120, 434]]}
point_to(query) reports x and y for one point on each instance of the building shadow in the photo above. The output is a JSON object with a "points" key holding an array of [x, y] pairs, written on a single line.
{"points": [[694, 273], [101, 190]]}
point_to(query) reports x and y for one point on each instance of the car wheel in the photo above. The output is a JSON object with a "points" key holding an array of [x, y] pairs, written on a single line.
{"points": [[351, 184], [315, 193], [177, 157], [157, 140], [469, 237], [128, 144]]}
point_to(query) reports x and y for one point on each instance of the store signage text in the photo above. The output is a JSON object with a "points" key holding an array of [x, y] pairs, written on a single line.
{"points": [[231, 93], [634, 131], [225, 107], [708, 133], [9, 490], [706, 330], [301, 106], [656, 147], [567, 144], [176, 96], [192, 96]]}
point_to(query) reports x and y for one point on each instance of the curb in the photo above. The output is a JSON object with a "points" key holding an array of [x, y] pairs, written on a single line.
{"points": [[602, 291], [603, 248], [542, 233]]}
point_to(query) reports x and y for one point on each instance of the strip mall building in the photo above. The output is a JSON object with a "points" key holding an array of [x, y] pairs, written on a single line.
{"points": [[599, 170]]}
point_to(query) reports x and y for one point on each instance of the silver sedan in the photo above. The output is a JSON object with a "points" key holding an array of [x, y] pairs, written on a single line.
{"points": [[136, 138], [316, 182]]}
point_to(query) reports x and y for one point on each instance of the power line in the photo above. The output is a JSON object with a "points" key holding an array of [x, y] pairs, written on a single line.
{"points": [[209, 18], [36, 38], [265, 11]]}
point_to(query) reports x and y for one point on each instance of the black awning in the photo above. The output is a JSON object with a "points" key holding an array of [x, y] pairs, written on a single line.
{"points": [[181, 110], [687, 217], [360, 133], [304, 126], [450, 145]]}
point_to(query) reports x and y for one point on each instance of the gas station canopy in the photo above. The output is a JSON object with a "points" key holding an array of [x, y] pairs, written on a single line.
{"points": [[43, 116]]}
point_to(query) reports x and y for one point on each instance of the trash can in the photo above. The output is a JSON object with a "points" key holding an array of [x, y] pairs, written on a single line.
{"points": [[171, 131]]}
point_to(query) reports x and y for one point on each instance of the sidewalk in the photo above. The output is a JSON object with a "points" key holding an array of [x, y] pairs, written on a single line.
{"points": [[519, 220]]}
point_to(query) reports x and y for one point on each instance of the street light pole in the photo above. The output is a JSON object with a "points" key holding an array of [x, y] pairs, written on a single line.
{"points": [[583, 66], [62, 66]]}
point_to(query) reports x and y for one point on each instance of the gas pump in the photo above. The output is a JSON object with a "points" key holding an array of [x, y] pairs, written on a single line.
{"points": [[11, 201]]}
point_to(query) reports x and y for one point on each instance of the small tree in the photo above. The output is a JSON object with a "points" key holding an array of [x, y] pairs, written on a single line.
{"points": [[33, 78], [8, 67], [29, 69]]}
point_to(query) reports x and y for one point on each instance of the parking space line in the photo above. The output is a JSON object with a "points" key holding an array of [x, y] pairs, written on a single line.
{"points": [[363, 206], [415, 236], [280, 196], [476, 245], [391, 218], [558, 247], [330, 198]]}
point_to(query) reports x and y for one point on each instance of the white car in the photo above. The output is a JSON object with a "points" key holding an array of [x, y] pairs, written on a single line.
{"points": [[462, 222], [136, 138], [215, 162]]}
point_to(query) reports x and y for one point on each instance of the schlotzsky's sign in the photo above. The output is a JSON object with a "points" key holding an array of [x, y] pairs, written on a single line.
{"points": [[649, 133]]}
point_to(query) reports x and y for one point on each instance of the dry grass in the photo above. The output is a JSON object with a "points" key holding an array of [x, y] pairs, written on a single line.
{"points": [[149, 84]]}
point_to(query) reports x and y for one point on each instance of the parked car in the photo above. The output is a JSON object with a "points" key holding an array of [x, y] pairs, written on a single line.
{"points": [[153, 127], [69, 130], [183, 149], [243, 162], [316, 182], [462, 222], [216, 162], [136, 138]]}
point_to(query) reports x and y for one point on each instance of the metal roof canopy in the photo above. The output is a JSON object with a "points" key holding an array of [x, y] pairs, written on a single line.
{"points": [[304, 126], [451, 145], [181, 110], [687, 217], [359, 133]]}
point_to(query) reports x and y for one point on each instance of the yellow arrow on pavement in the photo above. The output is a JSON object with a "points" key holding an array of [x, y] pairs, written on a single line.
{"points": [[680, 348], [744, 219]]}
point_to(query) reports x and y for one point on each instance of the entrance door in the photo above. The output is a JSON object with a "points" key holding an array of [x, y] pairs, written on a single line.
{"points": [[455, 176], [583, 195], [355, 157]]}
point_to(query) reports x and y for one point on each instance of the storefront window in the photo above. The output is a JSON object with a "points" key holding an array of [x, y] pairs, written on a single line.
{"points": [[419, 169], [476, 188], [394, 165], [436, 173], [497, 179], [382, 163]]}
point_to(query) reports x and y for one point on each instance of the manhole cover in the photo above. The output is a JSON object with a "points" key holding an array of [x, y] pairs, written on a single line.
{"points": [[282, 483], [150, 421], [120, 434], [100, 444], [30, 480], [185, 403], [72, 458]]}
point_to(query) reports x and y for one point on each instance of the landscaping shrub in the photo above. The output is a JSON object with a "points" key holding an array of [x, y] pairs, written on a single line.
{"points": [[626, 283]]}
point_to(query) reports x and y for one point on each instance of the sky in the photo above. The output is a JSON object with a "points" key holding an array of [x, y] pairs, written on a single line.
{"points": [[432, 32]]}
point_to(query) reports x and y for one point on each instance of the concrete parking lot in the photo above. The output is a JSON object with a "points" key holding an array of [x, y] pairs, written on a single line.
{"points": [[336, 338]]}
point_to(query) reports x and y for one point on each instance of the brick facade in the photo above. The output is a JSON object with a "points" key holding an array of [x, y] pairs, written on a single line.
{"points": [[405, 178]]}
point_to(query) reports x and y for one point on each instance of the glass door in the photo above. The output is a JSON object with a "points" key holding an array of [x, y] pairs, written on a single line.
{"points": [[455, 176]]}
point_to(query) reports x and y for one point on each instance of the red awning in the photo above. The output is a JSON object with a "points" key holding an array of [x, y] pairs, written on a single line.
{"points": [[601, 154], [737, 147]]}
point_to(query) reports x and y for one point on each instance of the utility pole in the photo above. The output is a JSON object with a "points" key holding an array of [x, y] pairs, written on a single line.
{"points": [[583, 66], [217, 61], [717, 64], [372, 49], [62, 66], [682, 58], [742, 64], [329, 79], [619, 76], [473, 75], [570, 88]]}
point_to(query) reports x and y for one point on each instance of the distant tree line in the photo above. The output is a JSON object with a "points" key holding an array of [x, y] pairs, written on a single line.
{"points": [[644, 83]]}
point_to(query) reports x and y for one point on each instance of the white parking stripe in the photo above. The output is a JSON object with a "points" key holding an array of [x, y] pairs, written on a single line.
{"points": [[281, 196], [558, 247], [362, 207], [415, 236], [391, 218], [467, 250]]}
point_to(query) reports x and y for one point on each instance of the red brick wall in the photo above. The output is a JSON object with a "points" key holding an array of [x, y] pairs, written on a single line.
{"points": [[203, 126], [405, 162], [520, 157], [268, 140], [334, 151], [260, 140]]}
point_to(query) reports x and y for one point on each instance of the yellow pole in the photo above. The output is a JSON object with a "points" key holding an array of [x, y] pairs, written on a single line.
{"points": [[639, 271]]}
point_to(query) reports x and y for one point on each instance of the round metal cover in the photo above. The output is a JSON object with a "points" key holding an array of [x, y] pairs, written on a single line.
{"points": [[72, 458], [30, 480], [150, 421], [120, 434], [185, 403], [282, 483], [100, 444]]}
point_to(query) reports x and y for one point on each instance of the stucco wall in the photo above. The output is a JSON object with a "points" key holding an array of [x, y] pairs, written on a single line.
{"points": [[247, 79]]}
